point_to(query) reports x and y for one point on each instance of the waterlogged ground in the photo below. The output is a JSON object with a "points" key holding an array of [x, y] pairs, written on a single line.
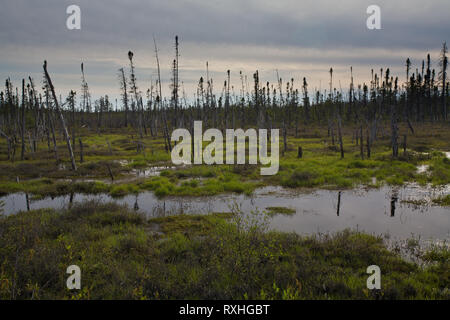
{"points": [[320, 192], [191, 244], [397, 212]]}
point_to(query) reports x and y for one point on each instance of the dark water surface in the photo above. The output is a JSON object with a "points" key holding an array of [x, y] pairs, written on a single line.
{"points": [[377, 211]]}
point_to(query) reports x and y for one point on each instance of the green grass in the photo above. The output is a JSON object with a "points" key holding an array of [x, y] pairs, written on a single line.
{"points": [[320, 166], [272, 211], [48, 187], [443, 201], [216, 256]]}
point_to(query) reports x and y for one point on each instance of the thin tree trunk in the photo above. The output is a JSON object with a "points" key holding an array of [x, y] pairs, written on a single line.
{"points": [[361, 142], [81, 150], [394, 132], [341, 144], [22, 132], [61, 117]]}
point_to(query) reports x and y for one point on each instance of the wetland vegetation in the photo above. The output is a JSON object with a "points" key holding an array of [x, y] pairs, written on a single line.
{"points": [[387, 132], [217, 256]]}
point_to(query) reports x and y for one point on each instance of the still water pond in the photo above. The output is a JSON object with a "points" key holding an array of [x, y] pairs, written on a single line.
{"points": [[384, 211]]}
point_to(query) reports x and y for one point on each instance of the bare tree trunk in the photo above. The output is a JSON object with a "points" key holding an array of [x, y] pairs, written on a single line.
{"points": [[52, 128], [61, 117], [361, 142], [339, 203], [81, 150], [22, 132], [404, 145], [123, 82], [166, 131], [161, 105], [37, 114], [300, 152], [341, 144], [332, 134], [8, 140], [110, 172], [394, 132]]}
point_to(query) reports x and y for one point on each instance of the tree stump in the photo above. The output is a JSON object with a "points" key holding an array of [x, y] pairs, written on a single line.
{"points": [[300, 152], [404, 144]]}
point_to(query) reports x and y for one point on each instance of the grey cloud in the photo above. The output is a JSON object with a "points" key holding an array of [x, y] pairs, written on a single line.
{"points": [[239, 34]]}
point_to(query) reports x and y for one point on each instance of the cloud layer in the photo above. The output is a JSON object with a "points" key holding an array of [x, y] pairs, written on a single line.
{"points": [[297, 38]]}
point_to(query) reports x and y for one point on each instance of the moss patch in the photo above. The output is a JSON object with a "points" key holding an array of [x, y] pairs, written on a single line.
{"points": [[217, 256], [272, 211]]}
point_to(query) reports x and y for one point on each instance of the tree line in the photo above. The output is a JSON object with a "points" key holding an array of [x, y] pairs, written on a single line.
{"points": [[29, 115]]}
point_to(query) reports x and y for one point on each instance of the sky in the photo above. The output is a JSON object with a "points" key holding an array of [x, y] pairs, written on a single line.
{"points": [[296, 38]]}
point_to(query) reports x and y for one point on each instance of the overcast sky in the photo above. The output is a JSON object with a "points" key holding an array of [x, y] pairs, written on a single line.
{"points": [[299, 38]]}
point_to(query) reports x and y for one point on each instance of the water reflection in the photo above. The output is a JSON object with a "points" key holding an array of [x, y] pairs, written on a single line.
{"points": [[136, 205], [71, 199], [381, 211], [394, 199], [339, 203], [27, 201]]}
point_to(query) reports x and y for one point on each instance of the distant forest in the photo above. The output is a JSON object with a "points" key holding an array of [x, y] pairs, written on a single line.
{"points": [[29, 115]]}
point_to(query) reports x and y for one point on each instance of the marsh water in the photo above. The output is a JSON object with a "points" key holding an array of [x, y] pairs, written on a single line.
{"points": [[399, 212]]}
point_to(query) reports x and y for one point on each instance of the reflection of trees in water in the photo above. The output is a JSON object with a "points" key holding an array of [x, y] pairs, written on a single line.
{"points": [[400, 205], [136, 205], [71, 200], [159, 210], [162, 208], [339, 203], [337, 206], [418, 207], [27, 200], [394, 199]]}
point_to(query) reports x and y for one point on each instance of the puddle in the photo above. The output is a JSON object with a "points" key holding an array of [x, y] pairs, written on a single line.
{"points": [[150, 171], [391, 211], [147, 171]]}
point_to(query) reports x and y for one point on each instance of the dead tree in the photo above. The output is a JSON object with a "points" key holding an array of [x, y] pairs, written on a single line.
{"points": [[361, 142], [50, 122], [81, 150], [37, 113], [300, 152], [443, 62], [404, 145], [86, 108], [137, 99], [175, 83], [8, 140], [71, 102], [159, 100], [61, 117], [22, 131], [406, 111], [394, 132], [341, 144], [123, 86]]}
